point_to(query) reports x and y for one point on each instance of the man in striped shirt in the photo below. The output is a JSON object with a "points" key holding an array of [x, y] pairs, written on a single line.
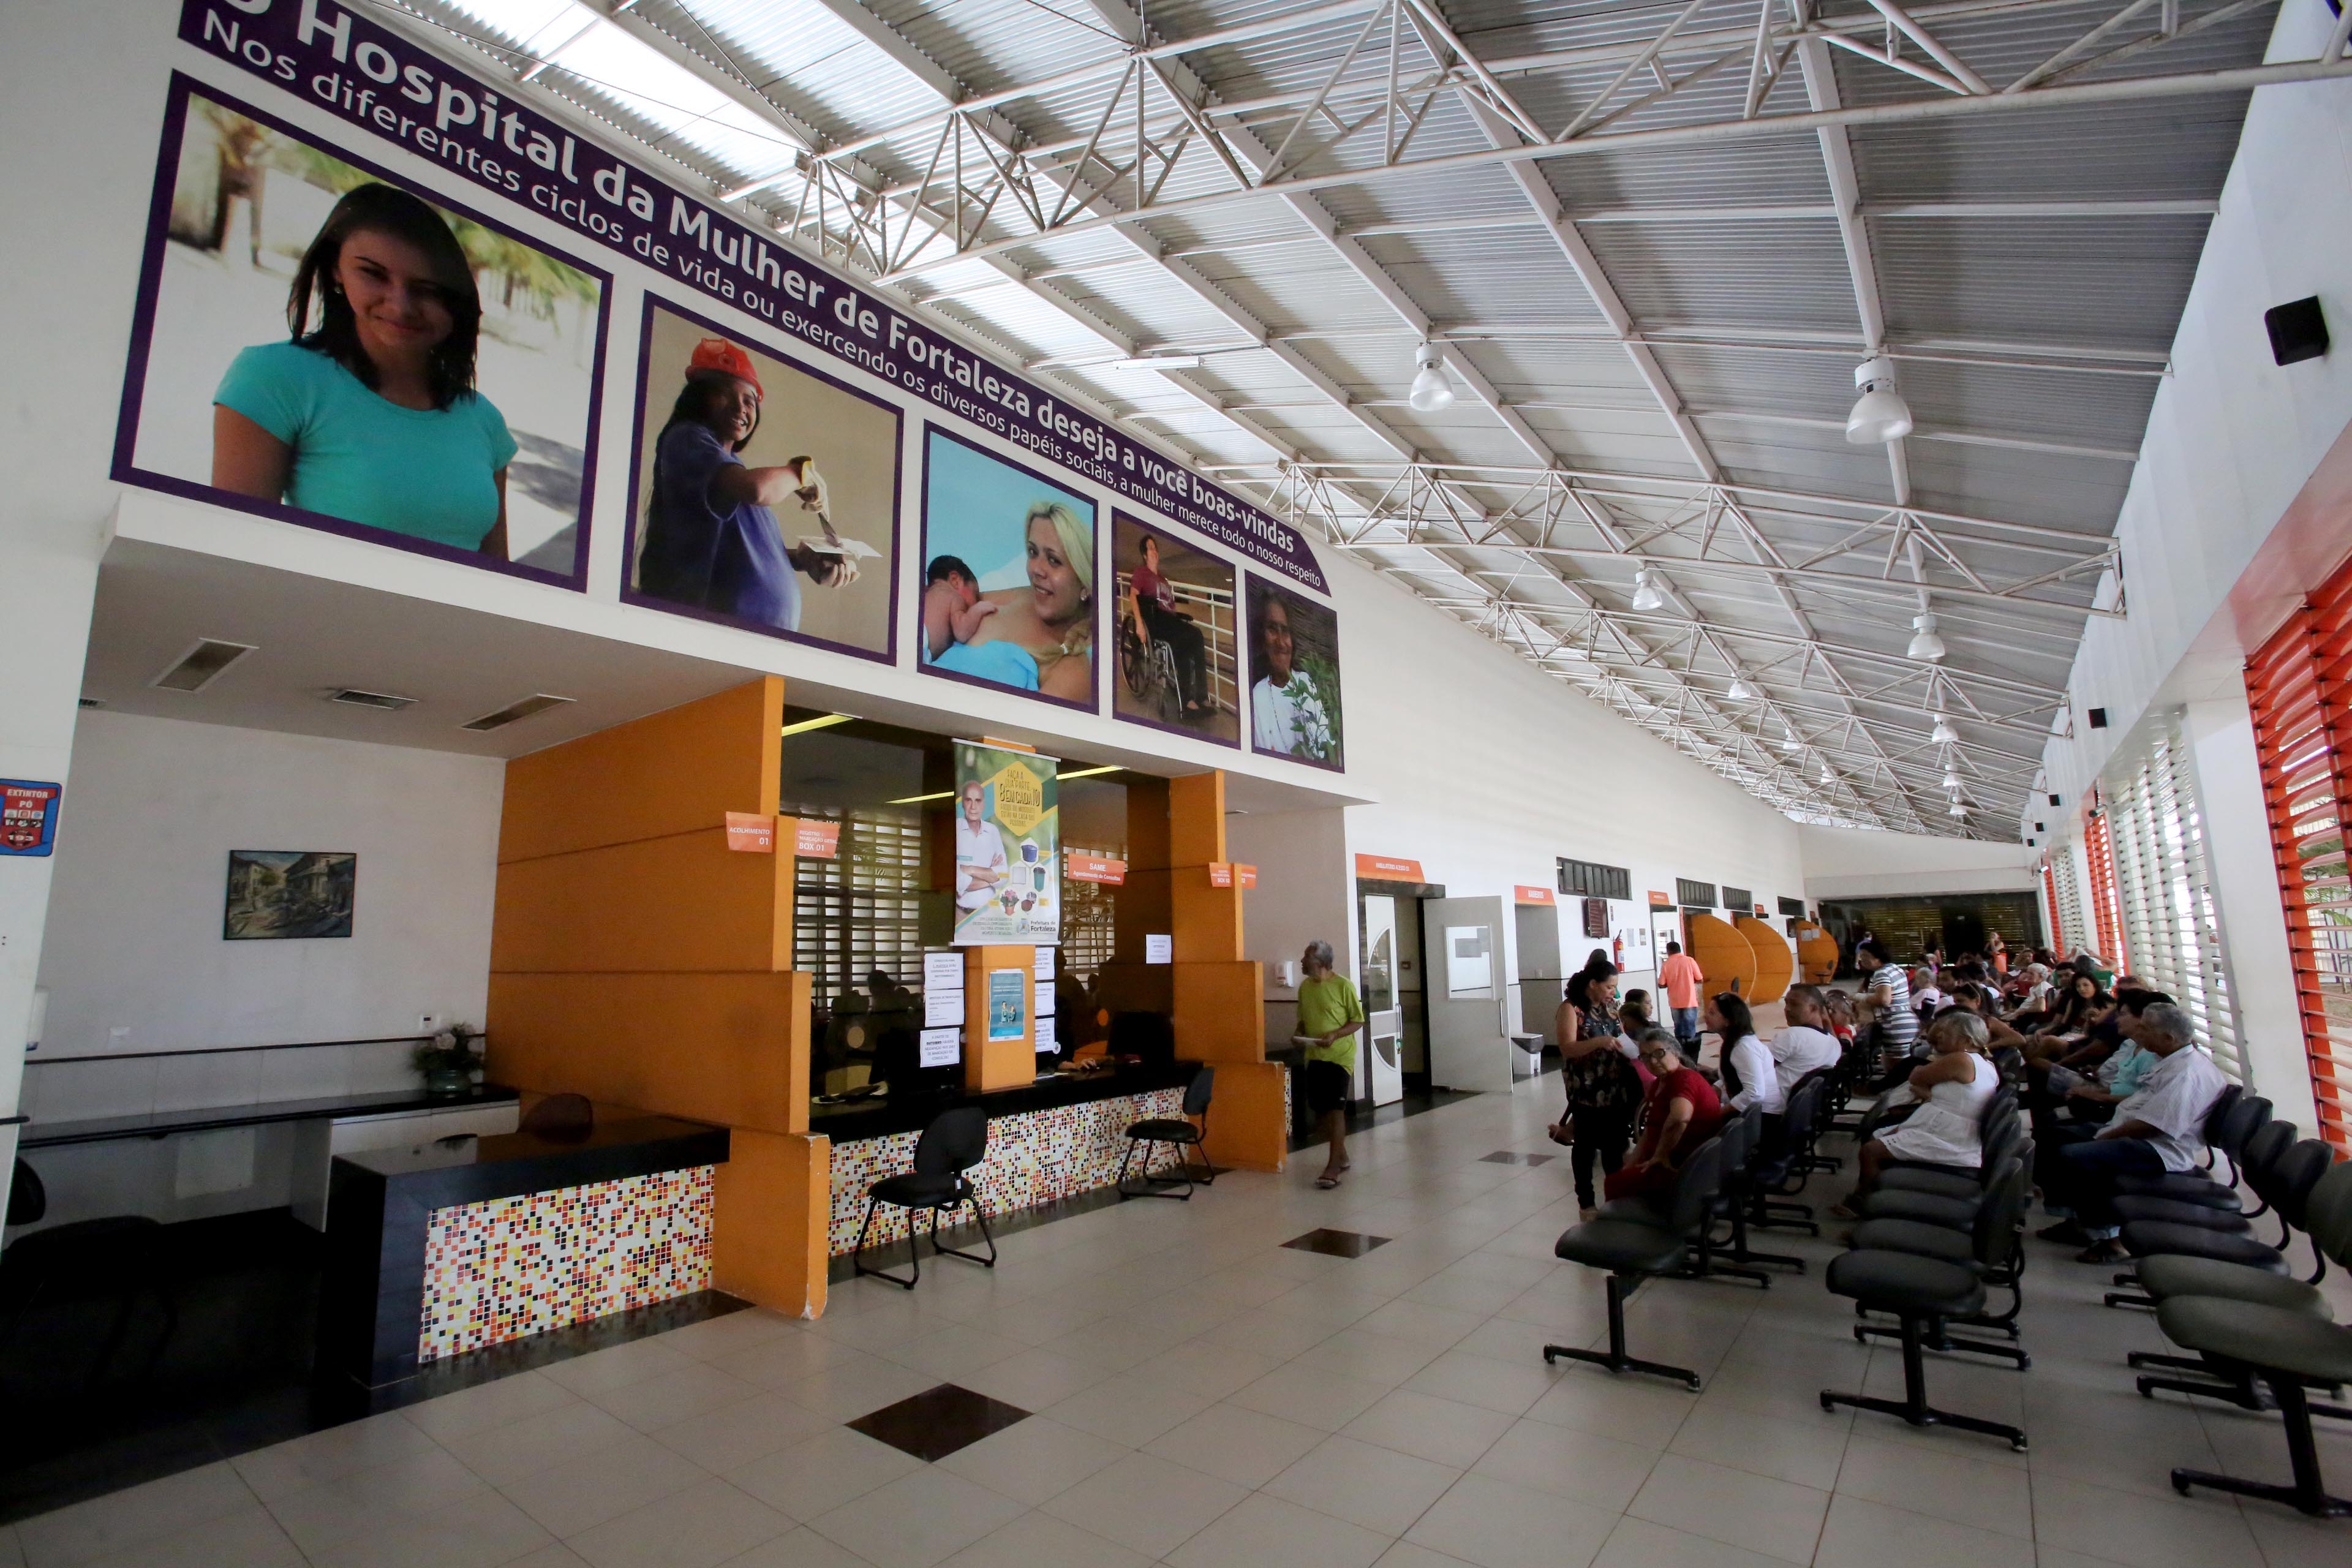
{"points": [[1888, 991]]}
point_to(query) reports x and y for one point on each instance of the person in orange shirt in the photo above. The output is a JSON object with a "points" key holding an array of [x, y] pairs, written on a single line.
{"points": [[1680, 977]]}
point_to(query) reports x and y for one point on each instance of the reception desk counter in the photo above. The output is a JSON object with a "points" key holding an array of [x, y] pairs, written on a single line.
{"points": [[473, 1241], [1047, 1140]]}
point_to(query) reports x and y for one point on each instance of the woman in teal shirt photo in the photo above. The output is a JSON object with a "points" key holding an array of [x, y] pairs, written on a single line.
{"points": [[372, 416]]}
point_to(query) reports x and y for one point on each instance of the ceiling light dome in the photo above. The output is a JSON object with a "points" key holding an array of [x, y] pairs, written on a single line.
{"points": [[1646, 596], [1788, 742], [1741, 690], [1879, 414], [1944, 734], [1925, 643], [1952, 778], [1431, 390], [1827, 776], [1958, 810]]}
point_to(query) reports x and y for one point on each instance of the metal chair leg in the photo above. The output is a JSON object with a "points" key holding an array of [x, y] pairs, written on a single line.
{"points": [[914, 1254], [2308, 1494], [1913, 1406], [979, 1214], [1615, 1358]]}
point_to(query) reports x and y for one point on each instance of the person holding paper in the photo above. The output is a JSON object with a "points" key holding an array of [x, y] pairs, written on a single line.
{"points": [[981, 864], [711, 538]]}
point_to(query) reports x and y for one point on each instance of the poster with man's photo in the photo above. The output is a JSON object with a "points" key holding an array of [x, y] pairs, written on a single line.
{"points": [[1178, 633], [1009, 589], [766, 494], [1008, 833], [319, 342], [1294, 668]]}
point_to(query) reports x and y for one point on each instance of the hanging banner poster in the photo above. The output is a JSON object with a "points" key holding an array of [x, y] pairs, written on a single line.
{"points": [[322, 343], [484, 131], [1007, 839], [1294, 647], [1009, 569]]}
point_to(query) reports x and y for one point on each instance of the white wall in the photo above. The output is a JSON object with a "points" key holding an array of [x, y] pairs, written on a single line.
{"points": [[2232, 437], [133, 938], [1860, 863], [1487, 771]]}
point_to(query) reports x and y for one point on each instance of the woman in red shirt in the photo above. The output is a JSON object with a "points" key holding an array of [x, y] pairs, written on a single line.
{"points": [[1681, 1111]]}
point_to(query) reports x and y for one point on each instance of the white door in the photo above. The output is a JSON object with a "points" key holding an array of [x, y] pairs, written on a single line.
{"points": [[1665, 926], [1462, 944], [1380, 1069]]}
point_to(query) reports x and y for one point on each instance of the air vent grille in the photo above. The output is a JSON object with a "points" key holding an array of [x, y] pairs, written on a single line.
{"points": [[93, 701], [201, 665], [382, 701], [538, 702]]}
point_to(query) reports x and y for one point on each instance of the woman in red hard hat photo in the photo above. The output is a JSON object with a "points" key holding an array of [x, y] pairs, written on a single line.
{"points": [[712, 540]]}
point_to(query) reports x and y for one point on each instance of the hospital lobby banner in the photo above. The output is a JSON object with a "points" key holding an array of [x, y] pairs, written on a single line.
{"points": [[1294, 646], [321, 343], [765, 494], [1007, 847]]}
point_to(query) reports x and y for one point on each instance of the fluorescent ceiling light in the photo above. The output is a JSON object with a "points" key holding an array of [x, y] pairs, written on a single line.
{"points": [[201, 665], [1925, 643], [537, 703], [1431, 390], [949, 794], [1879, 414], [1091, 772], [1158, 361], [806, 725]]}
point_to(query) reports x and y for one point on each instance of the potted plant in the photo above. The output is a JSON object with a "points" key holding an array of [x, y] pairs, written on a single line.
{"points": [[449, 1059]]}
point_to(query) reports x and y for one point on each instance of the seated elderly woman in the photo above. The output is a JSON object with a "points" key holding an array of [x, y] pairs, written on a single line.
{"points": [[1950, 1088], [1680, 1111]]}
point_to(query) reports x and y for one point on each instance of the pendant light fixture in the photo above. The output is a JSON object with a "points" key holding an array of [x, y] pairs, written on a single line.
{"points": [[1741, 690], [1646, 596], [1952, 777], [1925, 643], [1827, 776], [1944, 734], [1958, 810], [1879, 414], [1431, 390], [1790, 744]]}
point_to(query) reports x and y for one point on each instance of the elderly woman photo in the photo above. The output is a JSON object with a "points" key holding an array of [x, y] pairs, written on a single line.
{"points": [[712, 540], [367, 410]]}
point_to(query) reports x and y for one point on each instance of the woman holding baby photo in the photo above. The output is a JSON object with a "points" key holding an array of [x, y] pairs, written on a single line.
{"points": [[1039, 636]]}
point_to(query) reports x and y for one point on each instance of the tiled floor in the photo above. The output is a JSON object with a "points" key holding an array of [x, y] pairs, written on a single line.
{"points": [[1203, 1395]]}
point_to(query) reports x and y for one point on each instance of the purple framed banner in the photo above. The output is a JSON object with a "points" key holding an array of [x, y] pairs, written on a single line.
{"points": [[438, 390], [345, 63], [1293, 667], [1011, 595], [830, 453], [1175, 612]]}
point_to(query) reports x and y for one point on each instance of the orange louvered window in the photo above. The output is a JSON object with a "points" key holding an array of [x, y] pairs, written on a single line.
{"points": [[2050, 892], [2098, 847], [2300, 685]]}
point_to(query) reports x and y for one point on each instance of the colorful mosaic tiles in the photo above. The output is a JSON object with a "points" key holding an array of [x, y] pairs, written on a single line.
{"points": [[1034, 1158], [499, 1271]]}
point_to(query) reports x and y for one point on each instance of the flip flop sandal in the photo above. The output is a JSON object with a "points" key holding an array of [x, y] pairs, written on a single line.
{"points": [[1326, 1183]]}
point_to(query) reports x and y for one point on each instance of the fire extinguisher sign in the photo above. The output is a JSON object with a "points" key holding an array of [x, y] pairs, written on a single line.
{"points": [[28, 817]]}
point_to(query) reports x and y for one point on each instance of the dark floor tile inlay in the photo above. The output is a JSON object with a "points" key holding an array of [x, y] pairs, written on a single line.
{"points": [[1338, 1243], [1511, 1157], [937, 1421]]}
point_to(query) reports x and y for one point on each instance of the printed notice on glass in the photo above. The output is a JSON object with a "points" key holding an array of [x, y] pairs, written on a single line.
{"points": [[1046, 965], [940, 1048], [1159, 948], [1045, 1046], [943, 972], [942, 1008]]}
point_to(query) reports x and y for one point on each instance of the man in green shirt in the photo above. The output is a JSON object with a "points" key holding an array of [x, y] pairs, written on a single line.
{"points": [[1329, 1014]]}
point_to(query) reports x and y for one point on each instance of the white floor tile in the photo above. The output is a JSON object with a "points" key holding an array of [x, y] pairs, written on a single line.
{"points": [[700, 1526], [1246, 1447], [1041, 1541], [1778, 1518], [1264, 1530], [1496, 1525], [1146, 1503], [1581, 1466], [1364, 1483], [821, 1473], [917, 1519], [159, 1508], [1031, 1460]]}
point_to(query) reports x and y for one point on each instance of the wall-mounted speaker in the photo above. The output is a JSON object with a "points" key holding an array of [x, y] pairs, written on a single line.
{"points": [[2298, 331]]}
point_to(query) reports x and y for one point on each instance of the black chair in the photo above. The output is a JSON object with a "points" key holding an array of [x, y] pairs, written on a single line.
{"points": [[562, 1119], [1997, 1123], [2285, 1185], [2290, 1349], [1950, 1197], [953, 1143], [1634, 1252], [1779, 1169], [1994, 1247], [1749, 1169], [1184, 1136], [118, 1257], [1922, 1294], [2328, 1216]]}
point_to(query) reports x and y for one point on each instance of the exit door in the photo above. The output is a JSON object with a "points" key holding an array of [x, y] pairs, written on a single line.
{"points": [[1462, 966], [1380, 1068], [1665, 926]]}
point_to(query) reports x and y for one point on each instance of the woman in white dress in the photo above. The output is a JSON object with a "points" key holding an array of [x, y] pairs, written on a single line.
{"points": [[1951, 1087]]}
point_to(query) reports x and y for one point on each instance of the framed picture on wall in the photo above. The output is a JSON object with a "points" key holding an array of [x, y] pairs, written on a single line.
{"points": [[274, 895]]}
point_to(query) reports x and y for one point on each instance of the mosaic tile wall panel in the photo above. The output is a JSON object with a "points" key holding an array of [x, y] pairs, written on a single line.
{"points": [[499, 1270], [1034, 1158]]}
